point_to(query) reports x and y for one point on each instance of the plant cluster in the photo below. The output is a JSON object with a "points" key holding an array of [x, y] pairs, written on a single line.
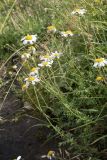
{"points": [[62, 71]]}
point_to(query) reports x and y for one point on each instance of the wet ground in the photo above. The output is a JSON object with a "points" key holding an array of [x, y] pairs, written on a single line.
{"points": [[22, 136]]}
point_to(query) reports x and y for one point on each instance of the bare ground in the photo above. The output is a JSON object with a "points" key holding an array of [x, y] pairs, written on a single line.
{"points": [[21, 136]]}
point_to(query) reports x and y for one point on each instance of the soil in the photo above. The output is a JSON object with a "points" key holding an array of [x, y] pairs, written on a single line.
{"points": [[21, 136]]}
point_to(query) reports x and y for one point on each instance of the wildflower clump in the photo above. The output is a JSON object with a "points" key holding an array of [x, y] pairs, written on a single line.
{"points": [[45, 63], [100, 62], [32, 79], [78, 11], [29, 39], [56, 54], [50, 155], [46, 60], [45, 57], [34, 71], [100, 78], [67, 33], [66, 89], [51, 29]]}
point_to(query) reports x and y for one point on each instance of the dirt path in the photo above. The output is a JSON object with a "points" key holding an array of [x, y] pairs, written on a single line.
{"points": [[21, 137]]}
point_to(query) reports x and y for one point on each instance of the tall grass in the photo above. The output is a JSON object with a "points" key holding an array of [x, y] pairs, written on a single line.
{"points": [[68, 97]]}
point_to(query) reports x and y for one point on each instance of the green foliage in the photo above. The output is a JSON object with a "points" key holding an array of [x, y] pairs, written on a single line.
{"points": [[69, 98]]}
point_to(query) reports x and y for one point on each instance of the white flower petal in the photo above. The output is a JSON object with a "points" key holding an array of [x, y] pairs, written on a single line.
{"points": [[25, 42], [43, 156], [101, 64], [105, 61], [40, 64], [95, 65], [31, 42], [33, 82], [18, 158], [23, 39]]}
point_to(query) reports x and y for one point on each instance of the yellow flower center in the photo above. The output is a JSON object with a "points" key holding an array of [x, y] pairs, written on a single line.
{"points": [[77, 10], [33, 69], [24, 87], [31, 78], [46, 56], [68, 32], [99, 60], [50, 153], [99, 78], [56, 54], [28, 37], [50, 28], [45, 63]]}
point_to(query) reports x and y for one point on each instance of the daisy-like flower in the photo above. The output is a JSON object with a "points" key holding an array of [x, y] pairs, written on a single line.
{"points": [[56, 54], [32, 49], [46, 57], [34, 71], [25, 56], [50, 155], [32, 79], [100, 62], [51, 29], [79, 11], [99, 78], [45, 63], [67, 33], [29, 39]]}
